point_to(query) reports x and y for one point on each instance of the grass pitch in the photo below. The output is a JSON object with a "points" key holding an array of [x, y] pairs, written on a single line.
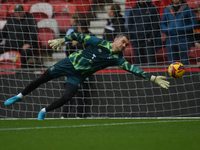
{"points": [[100, 134]]}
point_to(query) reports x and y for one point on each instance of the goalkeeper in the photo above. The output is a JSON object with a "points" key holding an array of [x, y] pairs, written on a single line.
{"points": [[81, 64]]}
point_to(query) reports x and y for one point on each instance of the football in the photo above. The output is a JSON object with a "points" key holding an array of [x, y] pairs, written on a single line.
{"points": [[176, 70]]}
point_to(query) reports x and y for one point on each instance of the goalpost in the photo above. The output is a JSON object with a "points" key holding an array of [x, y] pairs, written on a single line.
{"points": [[109, 93]]}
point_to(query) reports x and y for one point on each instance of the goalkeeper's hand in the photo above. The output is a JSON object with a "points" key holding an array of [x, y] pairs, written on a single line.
{"points": [[159, 80], [56, 44]]}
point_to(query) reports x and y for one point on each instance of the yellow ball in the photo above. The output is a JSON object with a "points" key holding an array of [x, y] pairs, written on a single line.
{"points": [[176, 70]]}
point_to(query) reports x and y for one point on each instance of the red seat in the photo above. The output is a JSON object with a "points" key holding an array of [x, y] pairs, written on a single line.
{"points": [[2, 24], [161, 56], [194, 55], [12, 1], [32, 2], [194, 52], [163, 36], [41, 11], [161, 5], [82, 6], [65, 8], [38, 16], [63, 20], [3, 11], [192, 3], [10, 60], [57, 2], [129, 54], [45, 34]]}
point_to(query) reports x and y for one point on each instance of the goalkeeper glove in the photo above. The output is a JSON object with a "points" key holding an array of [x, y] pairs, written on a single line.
{"points": [[56, 43], [159, 80]]}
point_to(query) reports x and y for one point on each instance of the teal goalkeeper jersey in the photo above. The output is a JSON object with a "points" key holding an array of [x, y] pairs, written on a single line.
{"points": [[99, 55]]}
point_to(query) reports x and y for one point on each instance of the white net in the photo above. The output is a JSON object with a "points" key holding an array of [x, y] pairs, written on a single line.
{"points": [[111, 92]]}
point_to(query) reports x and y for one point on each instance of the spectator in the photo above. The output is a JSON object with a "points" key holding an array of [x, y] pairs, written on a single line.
{"points": [[83, 94], [21, 34], [144, 31], [128, 5], [115, 24], [197, 31], [178, 22], [74, 26], [82, 27]]}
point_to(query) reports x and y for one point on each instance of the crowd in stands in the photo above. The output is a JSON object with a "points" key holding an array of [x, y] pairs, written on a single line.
{"points": [[172, 25]]}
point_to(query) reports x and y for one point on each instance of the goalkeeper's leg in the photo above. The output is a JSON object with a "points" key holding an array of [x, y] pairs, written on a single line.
{"points": [[45, 77], [70, 91]]}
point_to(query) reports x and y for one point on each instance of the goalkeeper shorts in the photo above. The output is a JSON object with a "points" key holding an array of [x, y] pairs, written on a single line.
{"points": [[65, 68]]}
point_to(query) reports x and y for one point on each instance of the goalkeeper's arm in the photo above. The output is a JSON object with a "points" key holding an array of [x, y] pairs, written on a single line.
{"points": [[81, 38], [140, 73]]}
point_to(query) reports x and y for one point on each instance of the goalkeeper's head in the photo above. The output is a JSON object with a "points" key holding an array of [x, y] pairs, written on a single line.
{"points": [[19, 12], [121, 41]]}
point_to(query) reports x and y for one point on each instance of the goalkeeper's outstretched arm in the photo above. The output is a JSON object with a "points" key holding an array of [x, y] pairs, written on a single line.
{"points": [[140, 73], [81, 38]]}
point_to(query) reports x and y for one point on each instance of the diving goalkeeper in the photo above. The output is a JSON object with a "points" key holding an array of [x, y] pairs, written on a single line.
{"points": [[81, 64]]}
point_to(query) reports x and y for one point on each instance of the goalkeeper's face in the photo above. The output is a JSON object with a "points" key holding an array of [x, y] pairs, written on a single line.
{"points": [[120, 44]]}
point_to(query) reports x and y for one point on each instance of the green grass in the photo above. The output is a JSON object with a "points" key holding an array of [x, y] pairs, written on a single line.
{"points": [[100, 134]]}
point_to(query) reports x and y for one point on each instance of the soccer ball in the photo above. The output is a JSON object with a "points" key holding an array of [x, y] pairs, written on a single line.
{"points": [[176, 70]]}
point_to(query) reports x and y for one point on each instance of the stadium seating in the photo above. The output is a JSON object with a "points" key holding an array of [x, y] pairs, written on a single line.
{"points": [[32, 2], [10, 60], [194, 55], [161, 56], [3, 11], [128, 54], [57, 2], [192, 3], [67, 8], [82, 6], [47, 30], [12, 1], [2, 23], [41, 11], [63, 20]]}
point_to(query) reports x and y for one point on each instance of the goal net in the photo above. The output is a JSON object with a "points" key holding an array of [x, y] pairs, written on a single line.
{"points": [[111, 92]]}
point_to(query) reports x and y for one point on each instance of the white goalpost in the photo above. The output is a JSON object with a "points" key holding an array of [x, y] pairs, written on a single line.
{"points": [[109, 93]]}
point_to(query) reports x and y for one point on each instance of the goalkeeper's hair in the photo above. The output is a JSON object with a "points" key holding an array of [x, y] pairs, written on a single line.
{"points": [[120, 35]]}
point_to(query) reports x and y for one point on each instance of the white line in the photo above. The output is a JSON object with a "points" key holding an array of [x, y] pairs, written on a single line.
{"points": [[94, 125]]}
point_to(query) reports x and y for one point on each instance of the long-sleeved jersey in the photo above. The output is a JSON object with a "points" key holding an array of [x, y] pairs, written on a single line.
{"points": [[99, 55]]}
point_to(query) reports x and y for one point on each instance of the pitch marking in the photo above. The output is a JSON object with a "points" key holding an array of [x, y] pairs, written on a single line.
{"points": [[94, 125]]}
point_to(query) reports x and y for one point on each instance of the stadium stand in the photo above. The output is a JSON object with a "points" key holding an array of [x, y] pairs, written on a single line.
{"points": [[82, 6], [12, 1], [63, 19], [192, 3], [3, 11], [194, 55], [62, 14], [128, 54], [66, 8], [10, 60], [48, 30], [32, 2], [2, 23], [41, 11]]}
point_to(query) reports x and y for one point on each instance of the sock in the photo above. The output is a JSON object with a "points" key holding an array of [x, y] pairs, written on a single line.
{"points": [[44, 110], [20, 95]]}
